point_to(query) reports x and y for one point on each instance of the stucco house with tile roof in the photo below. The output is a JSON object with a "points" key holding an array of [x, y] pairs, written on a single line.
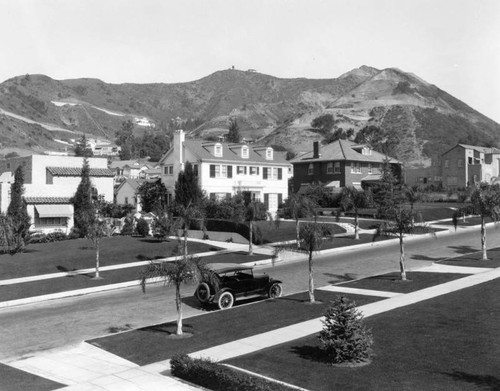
{"points": [[339, 164], [49, 184], [224, 169]]}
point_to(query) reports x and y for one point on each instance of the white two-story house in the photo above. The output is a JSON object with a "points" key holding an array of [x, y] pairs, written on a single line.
{"points": [[226, 169], [49, 183]]}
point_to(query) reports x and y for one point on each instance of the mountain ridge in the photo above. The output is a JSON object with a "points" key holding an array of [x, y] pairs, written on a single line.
{"points": [[277, 111]]}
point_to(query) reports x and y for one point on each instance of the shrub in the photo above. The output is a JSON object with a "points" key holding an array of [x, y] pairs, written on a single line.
{"points": [[218, 377], [344, 338], [232, 226], [40, 237], [142, 227], [128, 227]]}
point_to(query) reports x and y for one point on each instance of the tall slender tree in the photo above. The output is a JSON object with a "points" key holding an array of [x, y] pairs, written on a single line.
{"points": [[187, 187], [233, 135], [17, 213], [84, 209], [82, 148]]}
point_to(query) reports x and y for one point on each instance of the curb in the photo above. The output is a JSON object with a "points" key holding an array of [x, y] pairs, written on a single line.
{"points": [[263, 262]]}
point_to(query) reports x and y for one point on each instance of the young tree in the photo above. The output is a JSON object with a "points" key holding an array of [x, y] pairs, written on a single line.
{"points": [[234, 132], [181, 271], [354, 199], [296, 207], [187, 188], [311, 238], [485, 202], [400, 223], [252, 210], [96, 233], [82, 148], [17, 213], [84, 209]]}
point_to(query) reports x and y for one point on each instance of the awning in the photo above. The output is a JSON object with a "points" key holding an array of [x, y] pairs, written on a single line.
{"points": [[64, 210]]}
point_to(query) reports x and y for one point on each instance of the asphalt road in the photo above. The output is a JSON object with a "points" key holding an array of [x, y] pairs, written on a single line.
{"points": [[31, 328]]}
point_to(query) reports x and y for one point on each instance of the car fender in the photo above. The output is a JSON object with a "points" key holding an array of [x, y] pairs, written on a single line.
{"points": [[272, 281]]}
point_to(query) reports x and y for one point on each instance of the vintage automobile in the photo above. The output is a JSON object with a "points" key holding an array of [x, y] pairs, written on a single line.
{"points": [[226, 282]]}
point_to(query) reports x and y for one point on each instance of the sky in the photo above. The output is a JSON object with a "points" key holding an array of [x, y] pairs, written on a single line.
{"points": [[454, 44]]}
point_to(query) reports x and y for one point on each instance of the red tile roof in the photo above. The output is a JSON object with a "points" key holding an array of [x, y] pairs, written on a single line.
{"points": [[77, 171], [47, 200]]}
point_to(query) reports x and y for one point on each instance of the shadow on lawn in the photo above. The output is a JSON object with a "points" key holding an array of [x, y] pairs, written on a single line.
{"points": [[309, 352], [483, 381]]}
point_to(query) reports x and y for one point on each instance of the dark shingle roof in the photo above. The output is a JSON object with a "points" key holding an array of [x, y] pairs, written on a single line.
{"points": [[77, 171], [343, 150], [231, 153]]}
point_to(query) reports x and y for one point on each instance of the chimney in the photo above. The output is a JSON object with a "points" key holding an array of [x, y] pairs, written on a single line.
{"points": [[316, 150], [179, 148]]}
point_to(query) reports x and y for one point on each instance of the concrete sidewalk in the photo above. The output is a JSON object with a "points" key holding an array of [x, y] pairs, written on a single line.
{"points": [[85, 367]]}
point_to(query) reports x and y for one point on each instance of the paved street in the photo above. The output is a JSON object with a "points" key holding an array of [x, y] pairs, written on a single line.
{"points": [[31, 328]]}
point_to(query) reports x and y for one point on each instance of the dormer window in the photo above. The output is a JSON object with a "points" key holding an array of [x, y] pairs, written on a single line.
{"points": [[366, 151], [218, 150], [269, 154], [244, 152]]}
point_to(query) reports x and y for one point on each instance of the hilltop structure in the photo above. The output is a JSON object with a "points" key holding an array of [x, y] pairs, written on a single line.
{"points": [[225, 169]]}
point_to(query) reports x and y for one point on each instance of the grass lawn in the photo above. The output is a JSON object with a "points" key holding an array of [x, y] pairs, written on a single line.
{"points": [[451, 342], [151, 344], [79, 254], [14, 379], [391, 282], [82, 281], [474, 260]]}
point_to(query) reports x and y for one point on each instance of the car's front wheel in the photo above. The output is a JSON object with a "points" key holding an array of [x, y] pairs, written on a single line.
{"points": [[275, 291], [226, 300], [203, 293]]}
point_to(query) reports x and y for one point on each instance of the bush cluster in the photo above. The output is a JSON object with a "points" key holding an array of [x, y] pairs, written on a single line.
{"points": [[232, 226], [218, 377], [41, 237], [142, 227]]}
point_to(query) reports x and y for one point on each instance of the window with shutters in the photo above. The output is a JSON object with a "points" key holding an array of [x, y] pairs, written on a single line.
{"points": [[221, 171], [241, 170], [254, 170]]}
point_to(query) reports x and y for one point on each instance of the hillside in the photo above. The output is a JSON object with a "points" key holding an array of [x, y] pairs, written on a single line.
{"points": [[39, 113]]}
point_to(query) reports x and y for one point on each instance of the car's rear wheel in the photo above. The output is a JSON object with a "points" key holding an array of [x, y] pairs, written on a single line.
{"points": [[226, 300], [202, 293], [275, 291]]}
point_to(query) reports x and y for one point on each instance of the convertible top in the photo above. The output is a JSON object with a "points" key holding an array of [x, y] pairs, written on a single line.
{"points": [[227, 267]]}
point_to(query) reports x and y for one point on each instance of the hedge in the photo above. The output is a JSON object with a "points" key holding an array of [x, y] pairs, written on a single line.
{"points": [[217, 225], [218, 377]]}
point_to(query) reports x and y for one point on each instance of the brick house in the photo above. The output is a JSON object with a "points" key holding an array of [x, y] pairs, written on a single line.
{"points": [[225, 169], [339, 164], [49, 183], [460, 166]]}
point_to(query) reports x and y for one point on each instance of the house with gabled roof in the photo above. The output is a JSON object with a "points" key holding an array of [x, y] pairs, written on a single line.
{"points": [[339, 164], [224, 169], [127, 193], [461, 166], [49, 184]]}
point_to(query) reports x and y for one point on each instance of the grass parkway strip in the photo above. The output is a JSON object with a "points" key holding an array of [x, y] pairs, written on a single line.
{"points": [[451, 342]]}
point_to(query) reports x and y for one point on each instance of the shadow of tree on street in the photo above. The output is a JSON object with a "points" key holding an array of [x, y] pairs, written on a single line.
{"points": [[464, 249]]}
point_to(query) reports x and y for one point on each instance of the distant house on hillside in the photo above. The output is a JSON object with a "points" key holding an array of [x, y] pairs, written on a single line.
{"points": [[460, 166], [134, 168], [50, 182], [225, 169], [339, 164]]}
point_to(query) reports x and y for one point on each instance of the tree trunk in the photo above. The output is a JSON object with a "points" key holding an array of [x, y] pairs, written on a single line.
{"points": [[483, 239], [356, 226], [178, 305], [297, 230], [185, 247], [97, 262], [250, 234], [402, 258], [311, 281]]}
